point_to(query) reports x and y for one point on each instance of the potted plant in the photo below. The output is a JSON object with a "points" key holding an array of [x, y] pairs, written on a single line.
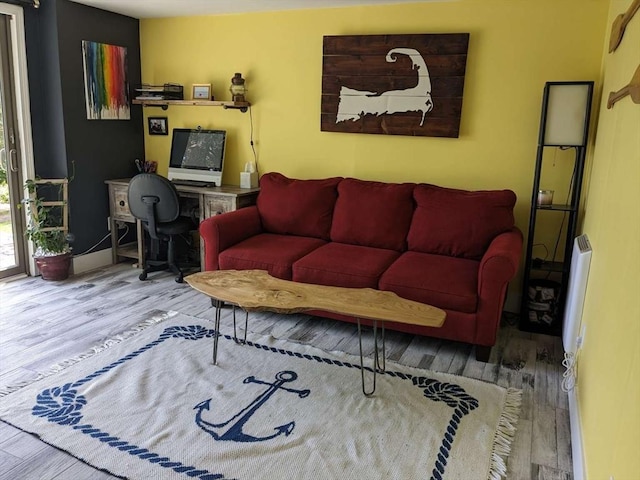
{"points": [[46, 228]]}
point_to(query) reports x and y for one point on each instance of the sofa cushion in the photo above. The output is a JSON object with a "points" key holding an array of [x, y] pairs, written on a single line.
{"points": [[438, 280], [297, 207], [268, 251], [458, 222], [342, 265], [373, 214]]}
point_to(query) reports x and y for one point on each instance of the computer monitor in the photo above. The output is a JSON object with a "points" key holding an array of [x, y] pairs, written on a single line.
{"points": [[197, 156]]}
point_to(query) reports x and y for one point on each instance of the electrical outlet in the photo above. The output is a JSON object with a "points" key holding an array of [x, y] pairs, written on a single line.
{"points": [[108, 224]]}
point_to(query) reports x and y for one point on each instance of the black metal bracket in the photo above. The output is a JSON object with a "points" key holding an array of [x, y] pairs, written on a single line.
{"points": [[234, 107]]}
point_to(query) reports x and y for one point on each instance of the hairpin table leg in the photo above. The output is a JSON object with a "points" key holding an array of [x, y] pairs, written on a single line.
{"points": [[380, 366], [218, 305], [246, 324], [377, 365]]}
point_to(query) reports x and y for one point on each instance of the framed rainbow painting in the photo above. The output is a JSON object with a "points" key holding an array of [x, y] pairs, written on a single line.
{"points": [[106, 86]]}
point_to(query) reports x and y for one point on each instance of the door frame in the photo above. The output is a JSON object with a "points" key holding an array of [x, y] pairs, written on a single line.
{"points": [[23, 105]]}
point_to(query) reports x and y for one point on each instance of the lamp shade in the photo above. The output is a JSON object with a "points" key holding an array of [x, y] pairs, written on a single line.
{"points": [[565, 113]]}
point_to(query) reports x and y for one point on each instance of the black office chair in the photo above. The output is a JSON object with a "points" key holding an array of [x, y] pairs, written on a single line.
{"points": [[154, 201]]}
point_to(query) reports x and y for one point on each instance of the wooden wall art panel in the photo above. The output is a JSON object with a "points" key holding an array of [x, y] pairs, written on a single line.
{"points": [[393, 84]]}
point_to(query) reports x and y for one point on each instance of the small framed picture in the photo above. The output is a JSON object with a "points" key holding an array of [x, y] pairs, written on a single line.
{"points": [[201, 91], [158, 126]]}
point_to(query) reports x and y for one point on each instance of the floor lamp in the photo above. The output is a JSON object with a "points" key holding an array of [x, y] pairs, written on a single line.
{"points": [[564, 124]]}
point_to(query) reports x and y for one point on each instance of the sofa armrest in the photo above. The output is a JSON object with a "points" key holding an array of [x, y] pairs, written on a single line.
{"points": [[502, 258], [498, 267], [222, 231]]}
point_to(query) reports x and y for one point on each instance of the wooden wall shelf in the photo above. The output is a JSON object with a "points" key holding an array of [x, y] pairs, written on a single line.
{"points": [[164, 104]]}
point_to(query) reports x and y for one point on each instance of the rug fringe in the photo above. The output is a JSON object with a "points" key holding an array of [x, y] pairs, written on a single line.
{"points": [[505, 434], [4, 391]]}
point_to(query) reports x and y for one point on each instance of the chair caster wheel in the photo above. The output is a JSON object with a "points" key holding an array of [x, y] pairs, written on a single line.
{"points": [[179, 278], [143, 276]]}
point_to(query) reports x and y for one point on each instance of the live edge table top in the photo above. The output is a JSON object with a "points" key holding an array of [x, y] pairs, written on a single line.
{"points": [[256, 290]]}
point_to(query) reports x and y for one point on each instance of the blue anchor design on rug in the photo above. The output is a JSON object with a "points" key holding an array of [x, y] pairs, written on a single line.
{"points": [[232, 428], [64, 405]]}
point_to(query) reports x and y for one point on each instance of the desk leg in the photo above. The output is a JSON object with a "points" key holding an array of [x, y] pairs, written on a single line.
{"points": [[201, 208], [377, 364], [114, 241], [140, 237], [216, 334]]}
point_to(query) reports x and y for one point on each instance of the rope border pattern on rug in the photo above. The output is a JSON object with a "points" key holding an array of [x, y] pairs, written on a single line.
{"points": [[455, 397], [452, 395], [62, 405], [68, 413]]}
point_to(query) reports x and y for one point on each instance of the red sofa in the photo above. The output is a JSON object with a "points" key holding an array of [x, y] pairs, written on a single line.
{"points": [[453, 249]]}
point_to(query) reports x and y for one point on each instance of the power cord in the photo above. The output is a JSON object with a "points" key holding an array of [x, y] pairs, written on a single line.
{"points": [[569, 375], [537, 260], [564, 215], [91, 249], [255, 155]]}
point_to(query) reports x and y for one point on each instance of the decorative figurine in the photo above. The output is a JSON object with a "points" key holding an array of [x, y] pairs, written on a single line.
{"points": [[237, 88]]}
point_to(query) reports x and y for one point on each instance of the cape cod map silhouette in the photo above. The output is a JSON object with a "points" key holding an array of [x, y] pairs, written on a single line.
{"points": [[355, 104]]}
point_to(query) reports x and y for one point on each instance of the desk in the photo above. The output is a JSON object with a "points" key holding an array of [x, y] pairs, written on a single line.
{"points": [[210, 201]]}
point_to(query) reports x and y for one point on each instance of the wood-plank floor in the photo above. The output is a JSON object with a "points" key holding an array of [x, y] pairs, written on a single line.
{"points": [[43, 323]]}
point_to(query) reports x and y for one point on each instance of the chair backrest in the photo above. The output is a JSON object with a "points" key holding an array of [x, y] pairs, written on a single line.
{"points": [[153, 199]]}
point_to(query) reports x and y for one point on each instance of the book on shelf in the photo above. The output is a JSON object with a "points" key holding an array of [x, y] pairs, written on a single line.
{"points": [[168, 91], [150, 97]]}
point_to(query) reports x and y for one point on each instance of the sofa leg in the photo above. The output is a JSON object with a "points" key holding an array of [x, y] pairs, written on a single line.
{"points": [[482, 353]]}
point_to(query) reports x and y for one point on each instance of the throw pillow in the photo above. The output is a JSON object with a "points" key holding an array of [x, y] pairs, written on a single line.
{"points": [[373, 214], [297, 207], [459, 223]]}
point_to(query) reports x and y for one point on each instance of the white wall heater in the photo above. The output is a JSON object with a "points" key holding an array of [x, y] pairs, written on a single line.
{"points": [[572, 341], [577, 287]]}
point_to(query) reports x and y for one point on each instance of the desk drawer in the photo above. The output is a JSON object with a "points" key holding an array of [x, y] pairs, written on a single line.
{"points": [[215, 205], [120, 204]]}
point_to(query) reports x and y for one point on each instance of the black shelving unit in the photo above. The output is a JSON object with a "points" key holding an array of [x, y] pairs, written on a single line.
{"points": [[545, 282]]}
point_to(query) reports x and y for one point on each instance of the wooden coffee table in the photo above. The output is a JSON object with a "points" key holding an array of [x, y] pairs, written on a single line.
{"points": [[256, 290]]}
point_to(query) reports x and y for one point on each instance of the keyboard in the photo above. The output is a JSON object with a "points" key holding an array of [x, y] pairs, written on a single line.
{"points": [[193, 183]]}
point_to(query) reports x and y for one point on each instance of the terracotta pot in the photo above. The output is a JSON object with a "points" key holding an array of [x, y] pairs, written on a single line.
{"points": [[54, 268]]}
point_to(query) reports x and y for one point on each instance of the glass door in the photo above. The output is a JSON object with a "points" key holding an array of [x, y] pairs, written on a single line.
{"points": [[12, 240]]}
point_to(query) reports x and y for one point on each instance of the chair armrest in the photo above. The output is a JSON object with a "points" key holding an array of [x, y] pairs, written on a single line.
{"points": [[227, 229], [498, 267]]}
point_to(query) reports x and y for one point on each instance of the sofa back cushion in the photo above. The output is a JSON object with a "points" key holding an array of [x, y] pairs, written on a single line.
{"points": [[297, 207], [373, 214], [459, 223]]}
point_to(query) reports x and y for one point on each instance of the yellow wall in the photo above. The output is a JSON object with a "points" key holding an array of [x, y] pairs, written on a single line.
{"points": [[514, 48], [609, 364], [512, 52]]}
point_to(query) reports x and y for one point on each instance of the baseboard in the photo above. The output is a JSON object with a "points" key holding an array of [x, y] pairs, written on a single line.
{"points": [[92, 261], [576, 436]]}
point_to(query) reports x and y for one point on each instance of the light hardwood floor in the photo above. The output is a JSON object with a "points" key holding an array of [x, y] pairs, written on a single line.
{"points": [[43, 323]]}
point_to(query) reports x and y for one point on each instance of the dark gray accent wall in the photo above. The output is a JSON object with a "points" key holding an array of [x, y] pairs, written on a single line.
{"points": [[66, 143], [47, 119]]}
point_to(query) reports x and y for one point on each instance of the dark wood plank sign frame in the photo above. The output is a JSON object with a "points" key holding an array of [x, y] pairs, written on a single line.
{"points": [[394, 84]]}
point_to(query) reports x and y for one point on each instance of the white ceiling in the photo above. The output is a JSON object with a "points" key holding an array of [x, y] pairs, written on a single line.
{"points": [[182, 8]]}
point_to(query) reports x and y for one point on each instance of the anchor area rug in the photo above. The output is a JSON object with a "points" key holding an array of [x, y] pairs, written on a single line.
{"points": [[149, 404]]}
